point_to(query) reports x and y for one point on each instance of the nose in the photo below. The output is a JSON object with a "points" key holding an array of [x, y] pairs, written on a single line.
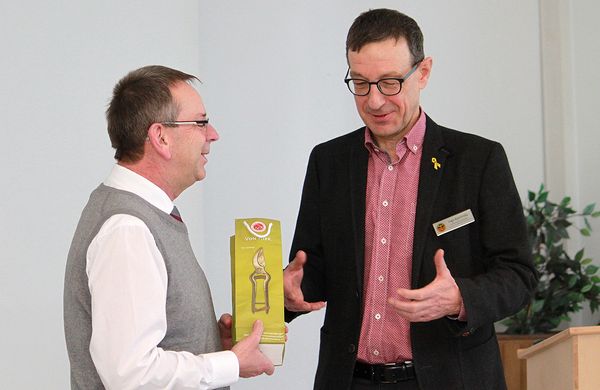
{"points": [[375, 99], [211, 133]]}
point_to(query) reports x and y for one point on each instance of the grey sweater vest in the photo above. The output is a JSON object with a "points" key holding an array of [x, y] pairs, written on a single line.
{"points": [[191, 322]]}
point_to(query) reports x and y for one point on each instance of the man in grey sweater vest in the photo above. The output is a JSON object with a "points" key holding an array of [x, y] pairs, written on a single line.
{"points": [[138, 311]]}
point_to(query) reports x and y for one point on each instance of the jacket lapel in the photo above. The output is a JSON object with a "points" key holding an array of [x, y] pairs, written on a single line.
{"points": [[432, 168], [358, 193]]}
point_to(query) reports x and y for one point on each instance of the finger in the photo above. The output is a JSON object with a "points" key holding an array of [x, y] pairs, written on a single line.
{"points": [[404, 309], [316, 305], [301, 256], [270, 370], [418, 294], [257, 327], [404, 306], [304, 306], [440, 263], [257, 330], [298, 262], [395, 303], [226, 320], [413, 311]]}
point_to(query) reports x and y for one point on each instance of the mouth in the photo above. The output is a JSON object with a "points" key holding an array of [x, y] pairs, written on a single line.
{"points": [[380, 117]]}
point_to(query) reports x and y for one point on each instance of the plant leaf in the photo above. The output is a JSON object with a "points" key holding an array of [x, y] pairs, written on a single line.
{"points": [[565, 201], [586, 288], [572, 280], [587, 224], [586, 261], [537, 306], [589, 209], [591, 269]]}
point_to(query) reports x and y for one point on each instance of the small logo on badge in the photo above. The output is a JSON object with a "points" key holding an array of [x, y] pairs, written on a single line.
{"points": [[441, 227]]}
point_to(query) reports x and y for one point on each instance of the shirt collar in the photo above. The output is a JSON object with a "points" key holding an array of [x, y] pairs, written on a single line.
{"points": [[413, 139], [125, 179]]}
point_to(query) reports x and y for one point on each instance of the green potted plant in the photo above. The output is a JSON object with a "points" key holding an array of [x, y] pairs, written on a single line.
{"points": [[566, 281]]}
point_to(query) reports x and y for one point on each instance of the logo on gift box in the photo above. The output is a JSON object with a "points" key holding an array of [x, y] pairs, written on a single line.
{"points": [[258, 229]]}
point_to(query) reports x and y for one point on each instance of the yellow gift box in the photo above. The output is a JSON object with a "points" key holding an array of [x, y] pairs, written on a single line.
{"points": [[257, 283]]}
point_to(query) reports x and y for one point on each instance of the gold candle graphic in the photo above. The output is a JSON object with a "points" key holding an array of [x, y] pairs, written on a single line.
{"points": [[260, 283]]}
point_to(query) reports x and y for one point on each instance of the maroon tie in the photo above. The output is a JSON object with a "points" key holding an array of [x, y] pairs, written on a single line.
{"points": [[175, 214]]}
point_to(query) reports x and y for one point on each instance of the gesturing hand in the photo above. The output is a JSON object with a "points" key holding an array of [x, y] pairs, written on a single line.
{"points": [[252, 361], [292, 279], [438, 299]]}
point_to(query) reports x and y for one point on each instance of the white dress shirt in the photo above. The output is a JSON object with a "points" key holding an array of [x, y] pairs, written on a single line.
{"points": [[128, 286]]}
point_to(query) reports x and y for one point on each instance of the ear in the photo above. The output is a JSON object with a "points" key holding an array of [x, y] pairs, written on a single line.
{"points": [[159, 140], [424, 71]]}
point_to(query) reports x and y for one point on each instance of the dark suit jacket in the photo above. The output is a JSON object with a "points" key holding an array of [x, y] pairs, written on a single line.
{"points": [[488, 258]]}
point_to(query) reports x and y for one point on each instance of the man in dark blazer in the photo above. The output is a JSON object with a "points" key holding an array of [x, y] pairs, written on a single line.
{"points": [[412, 234]]}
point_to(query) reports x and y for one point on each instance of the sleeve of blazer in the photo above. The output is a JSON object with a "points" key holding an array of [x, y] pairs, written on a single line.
{"points": [[510, 277], [307, 236]]}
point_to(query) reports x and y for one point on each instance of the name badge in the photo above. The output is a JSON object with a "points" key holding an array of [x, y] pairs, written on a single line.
{"points": [[454, 222]]}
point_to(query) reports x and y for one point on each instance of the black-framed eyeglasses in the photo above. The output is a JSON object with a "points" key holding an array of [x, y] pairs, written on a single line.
{"points": [[388, 86], [200, 123]]}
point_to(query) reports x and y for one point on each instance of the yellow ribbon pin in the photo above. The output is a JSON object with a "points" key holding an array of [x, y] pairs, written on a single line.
{"points": [[436, 164]]}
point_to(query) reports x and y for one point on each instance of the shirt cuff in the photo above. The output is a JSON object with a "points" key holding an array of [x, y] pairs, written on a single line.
{"points": [[224, 366], [462, 314]]}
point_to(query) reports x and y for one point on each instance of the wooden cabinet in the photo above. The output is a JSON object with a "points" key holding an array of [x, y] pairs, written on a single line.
{"points": [[515, 369]]}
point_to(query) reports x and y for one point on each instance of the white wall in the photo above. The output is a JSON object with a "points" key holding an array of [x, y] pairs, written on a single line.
{"points": [[273, 87], [60, 60], [585, 128], [570, 54]]}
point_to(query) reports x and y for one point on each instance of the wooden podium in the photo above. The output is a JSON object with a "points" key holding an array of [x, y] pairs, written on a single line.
{"points": [[565, 361]]}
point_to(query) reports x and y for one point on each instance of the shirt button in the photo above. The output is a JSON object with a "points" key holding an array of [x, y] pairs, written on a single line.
{"points": [[383, 241], [377, 316], [376, 352], [385, 203], [380, 278], [415, 148], [390, 168]]}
